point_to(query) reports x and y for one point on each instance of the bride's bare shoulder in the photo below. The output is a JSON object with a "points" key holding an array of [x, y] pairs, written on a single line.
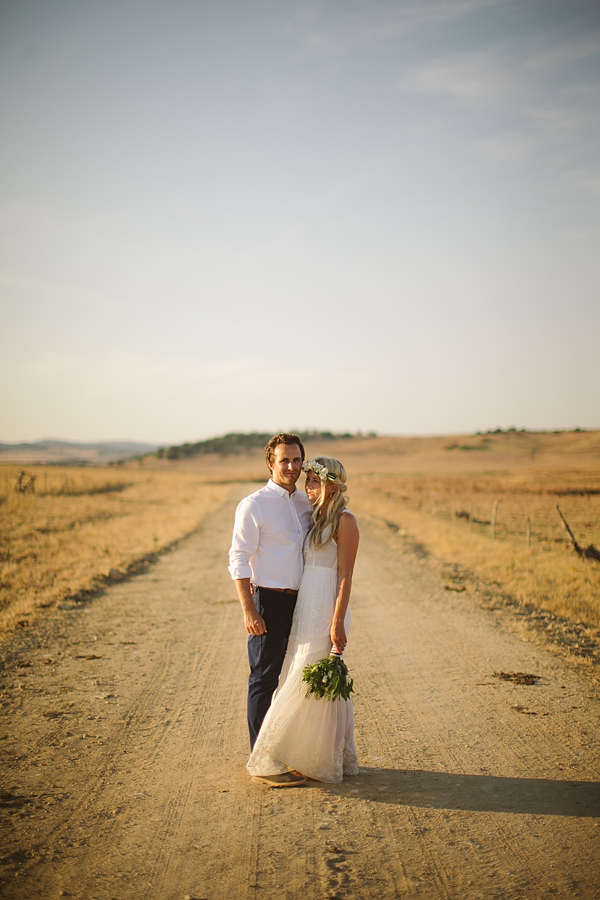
{"points": [[347, 522]]}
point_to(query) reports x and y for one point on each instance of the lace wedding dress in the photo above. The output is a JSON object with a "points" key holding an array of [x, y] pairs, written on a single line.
{"points": [[315, 737]]}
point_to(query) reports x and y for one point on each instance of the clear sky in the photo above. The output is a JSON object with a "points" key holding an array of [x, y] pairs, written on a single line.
{"points": [[234, 215]]}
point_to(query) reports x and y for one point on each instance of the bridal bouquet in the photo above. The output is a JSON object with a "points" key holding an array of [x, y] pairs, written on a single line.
{"points": [[328, 678]]}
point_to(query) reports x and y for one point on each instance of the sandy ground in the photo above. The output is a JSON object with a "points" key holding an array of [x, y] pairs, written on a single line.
{"points": [[124, 743]]}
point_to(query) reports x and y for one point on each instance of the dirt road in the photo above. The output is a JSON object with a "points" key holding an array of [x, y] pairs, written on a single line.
{"points": [[124, 740]]}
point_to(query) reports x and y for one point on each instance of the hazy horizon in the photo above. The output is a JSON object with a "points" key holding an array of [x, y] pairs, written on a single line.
{"points": [[379, 216], [355, 434]]}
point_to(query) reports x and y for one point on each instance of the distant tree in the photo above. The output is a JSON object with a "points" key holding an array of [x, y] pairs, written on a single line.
{"points": [[238, 442]]}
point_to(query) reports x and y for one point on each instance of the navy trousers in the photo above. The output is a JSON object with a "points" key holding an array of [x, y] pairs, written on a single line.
{"points": [[266, 653]]}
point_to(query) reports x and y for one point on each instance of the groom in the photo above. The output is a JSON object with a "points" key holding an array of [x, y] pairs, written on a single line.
{"points": [[265, 561]]}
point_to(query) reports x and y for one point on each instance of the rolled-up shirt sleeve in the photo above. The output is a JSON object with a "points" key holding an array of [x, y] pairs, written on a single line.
{"points": [[246, 533]]}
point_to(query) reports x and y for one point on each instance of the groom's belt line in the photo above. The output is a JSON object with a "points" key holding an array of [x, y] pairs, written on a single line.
{"points": [[279, 590]]}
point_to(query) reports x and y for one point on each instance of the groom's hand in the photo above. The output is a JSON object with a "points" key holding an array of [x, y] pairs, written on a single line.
{"points": [[255, 624]]}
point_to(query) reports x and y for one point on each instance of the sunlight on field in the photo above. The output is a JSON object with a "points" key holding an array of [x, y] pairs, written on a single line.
{"points": [[528, 553], [69, 529], [74, 525], [442, 490]]}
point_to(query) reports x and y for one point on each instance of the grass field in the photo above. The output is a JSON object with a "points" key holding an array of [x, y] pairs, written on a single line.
{"points": [[528, 554], [75, 525], [442, 493]]}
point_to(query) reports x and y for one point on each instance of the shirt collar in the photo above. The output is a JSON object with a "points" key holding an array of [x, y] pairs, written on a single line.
{"points": [[281, 490]]}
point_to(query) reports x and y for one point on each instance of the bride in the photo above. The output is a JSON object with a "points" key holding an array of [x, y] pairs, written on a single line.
{"points": [[315, 737]]}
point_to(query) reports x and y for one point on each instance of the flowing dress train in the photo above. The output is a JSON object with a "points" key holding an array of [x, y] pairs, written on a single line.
{"points": [[315, 737]]}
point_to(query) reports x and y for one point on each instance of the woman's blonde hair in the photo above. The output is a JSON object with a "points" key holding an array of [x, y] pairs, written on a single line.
{"points": [[330, 470]]}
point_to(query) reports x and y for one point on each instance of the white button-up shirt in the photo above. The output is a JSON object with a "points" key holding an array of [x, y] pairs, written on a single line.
{"points": [[268, 533]]}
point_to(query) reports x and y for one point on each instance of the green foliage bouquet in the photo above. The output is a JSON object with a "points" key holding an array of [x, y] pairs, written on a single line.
{"points": [[328, 678]]}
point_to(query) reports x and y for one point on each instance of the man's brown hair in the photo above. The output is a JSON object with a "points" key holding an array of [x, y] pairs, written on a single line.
{"points": [[282, 439]]}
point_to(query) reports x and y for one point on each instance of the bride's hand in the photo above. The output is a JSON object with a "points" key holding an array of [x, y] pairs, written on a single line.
{"points": [[338, 636]]}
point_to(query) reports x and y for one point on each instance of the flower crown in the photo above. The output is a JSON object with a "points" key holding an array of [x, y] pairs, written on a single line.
{"points": [[322, 471]]}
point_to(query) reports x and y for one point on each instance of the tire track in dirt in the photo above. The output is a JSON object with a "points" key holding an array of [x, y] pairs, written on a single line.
{"points": [[188, 722], [421, 715], [194, 727], [91, 792], [126, 735]]}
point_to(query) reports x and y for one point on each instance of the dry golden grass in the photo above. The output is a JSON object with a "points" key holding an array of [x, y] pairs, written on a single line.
{"points": [[80, 524], [417, 483], [503, 452], [451, 516]]}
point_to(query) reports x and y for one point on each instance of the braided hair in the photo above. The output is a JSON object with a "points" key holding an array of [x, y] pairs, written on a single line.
{"points": [[324, 529]]}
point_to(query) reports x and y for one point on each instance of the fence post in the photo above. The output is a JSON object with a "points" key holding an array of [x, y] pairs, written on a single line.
{"points": [[494, 514]]}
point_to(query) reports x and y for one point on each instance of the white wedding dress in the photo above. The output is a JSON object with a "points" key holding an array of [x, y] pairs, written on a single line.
{"points": [[315, 737]]}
